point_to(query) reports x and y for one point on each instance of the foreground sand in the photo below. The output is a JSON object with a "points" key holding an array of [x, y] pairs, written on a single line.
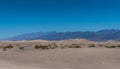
{"points": [[81, 58]]}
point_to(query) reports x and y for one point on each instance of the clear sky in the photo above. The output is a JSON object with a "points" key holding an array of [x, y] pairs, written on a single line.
{"points": [[25, 16]]}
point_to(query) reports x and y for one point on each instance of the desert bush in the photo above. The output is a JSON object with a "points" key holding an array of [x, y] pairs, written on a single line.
{"points": [[45, 47], [107, 46], [77, 47], [42, 47], [7, 47], [74, 46], [52, 46], [38, 47], [21, 48], [113, 46], [110, 46], [93, 45], [118, 46]]}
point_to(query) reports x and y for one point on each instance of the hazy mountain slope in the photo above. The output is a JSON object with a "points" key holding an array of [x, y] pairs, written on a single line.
{"points": [[102, 35]]}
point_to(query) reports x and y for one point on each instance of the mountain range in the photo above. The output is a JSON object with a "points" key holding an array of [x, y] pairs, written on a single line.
{"points": [[102, 35]]}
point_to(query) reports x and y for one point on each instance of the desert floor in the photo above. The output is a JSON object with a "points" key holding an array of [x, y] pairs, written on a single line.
{"points": [[81, 58]]}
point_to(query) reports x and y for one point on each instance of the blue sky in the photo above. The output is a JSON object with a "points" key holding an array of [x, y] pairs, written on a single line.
{"points": [[25, 16]]}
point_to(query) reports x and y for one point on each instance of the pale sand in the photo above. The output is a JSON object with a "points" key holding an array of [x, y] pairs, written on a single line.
{"points": [[81, 58]]}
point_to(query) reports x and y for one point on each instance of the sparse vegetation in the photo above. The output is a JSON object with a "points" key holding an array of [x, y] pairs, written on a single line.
{"points": [[7, 47], [38, 47], [21, 48], [118, 46], [74, 46], [77, 47], [43, 47], [93, 45], [10, 46], [107, 46], [54, 45], [110, 46], [113, 46]]}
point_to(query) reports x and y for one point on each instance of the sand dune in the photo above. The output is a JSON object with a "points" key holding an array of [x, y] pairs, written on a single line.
{"points": [[68, 58]]}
